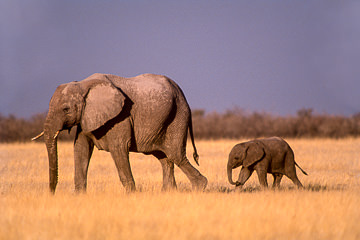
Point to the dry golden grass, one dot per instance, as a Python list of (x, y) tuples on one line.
[(328, 208)]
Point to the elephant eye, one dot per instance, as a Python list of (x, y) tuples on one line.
[(66, 109), (236, 158)]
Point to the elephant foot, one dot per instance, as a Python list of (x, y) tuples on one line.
[(166, 188), (200, 183), (130, 187), (197, 180), (80, 190), (238, 189)]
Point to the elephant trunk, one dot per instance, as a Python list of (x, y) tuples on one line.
[(50, 136), (229, 173)]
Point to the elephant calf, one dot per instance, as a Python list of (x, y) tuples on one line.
[(269, 155)]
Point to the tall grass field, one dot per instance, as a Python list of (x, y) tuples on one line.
[(328, 207)]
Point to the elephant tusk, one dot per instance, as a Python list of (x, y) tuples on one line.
[(38, 136), (56, 134)]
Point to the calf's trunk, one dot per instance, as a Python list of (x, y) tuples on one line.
[(229, 173)]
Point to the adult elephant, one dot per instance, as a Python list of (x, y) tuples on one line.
[(147, 113)]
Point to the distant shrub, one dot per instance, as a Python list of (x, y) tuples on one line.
[(236, 123), (233, 123)]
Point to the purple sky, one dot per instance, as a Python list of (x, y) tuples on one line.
[(273, 56)]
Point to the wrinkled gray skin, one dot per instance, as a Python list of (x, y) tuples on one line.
[(147, 114), (268, 155)]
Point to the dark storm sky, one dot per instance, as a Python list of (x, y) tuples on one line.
[(273, 56)]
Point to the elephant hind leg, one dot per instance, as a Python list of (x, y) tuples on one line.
[(291, 173), (277, 180), (198, 181), (293, 177), (295, 180), (169, 182), (290, 170), (175, 148)]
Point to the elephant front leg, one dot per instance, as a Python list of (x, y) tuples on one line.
[(168, 175), (83, 149), (244, 175), (277, 180), (121, 159), (262, 175)]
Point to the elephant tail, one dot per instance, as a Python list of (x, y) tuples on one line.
[(301, 169), (195, 154)]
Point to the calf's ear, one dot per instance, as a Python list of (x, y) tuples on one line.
[(253, 153)]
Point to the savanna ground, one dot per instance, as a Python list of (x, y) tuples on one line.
[(328, 208)]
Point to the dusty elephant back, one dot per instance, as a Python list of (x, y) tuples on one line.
[(157, 103)]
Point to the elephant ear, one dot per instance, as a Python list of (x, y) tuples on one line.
[(254, 153), (103, 102)]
